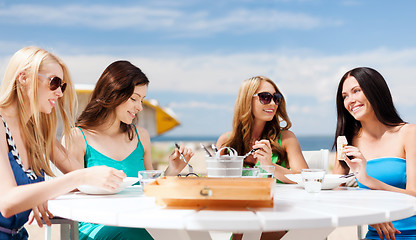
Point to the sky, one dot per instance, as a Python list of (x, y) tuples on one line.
[(196, 53)]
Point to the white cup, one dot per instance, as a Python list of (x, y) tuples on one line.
[(312, 179)]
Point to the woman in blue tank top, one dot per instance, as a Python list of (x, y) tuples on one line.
[(35, 81), (106, 135), (381, 148)]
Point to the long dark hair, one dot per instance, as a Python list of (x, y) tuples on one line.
[(114, 87), (378, 94)]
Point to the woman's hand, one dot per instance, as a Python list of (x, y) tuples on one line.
[(387, 229), (264, 152), (103, 176), (356, 161), (41, 211), (176, 163)]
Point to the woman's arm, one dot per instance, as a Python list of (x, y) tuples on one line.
[(294, 152), (409, 136), (145, 140), (222, 139), (15, 199), (72, 156), (357, 162)]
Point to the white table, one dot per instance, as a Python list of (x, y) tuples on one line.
[(305, 215)]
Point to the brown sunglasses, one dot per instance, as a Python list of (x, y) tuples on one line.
[(55, 83)]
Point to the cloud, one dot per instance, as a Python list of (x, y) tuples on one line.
[(169, 19), (308, 81), (297, 75)]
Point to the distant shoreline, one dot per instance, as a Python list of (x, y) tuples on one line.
[(307, 142)]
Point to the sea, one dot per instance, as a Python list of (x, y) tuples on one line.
[(307, 143)]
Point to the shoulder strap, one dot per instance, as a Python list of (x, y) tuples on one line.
[(83, 135), (280, 138), (137, 133)]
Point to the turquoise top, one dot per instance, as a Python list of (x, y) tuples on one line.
[(392, 171), (131, 165)]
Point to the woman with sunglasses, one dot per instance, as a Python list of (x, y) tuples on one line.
[(31, 91), (106, 135), (381, 150), (259, 109)]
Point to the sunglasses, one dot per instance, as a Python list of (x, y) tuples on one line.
[(55, 83), (266, 98)]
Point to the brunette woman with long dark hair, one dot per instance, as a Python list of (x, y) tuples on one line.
[(106, 135), (381, 150)]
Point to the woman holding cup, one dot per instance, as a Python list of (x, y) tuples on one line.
[(381, 151), (260, 108), (105, 135)]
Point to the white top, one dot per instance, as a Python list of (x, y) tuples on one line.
[(294, 208)]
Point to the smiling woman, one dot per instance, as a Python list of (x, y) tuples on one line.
[(31, 92), (260, 109), (382, 151), (106, 135)]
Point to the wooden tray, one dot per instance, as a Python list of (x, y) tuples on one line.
[(193, 192)]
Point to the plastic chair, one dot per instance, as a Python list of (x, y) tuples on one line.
[(317, 158), (68, 229)]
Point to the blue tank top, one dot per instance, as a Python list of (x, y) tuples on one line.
[(131, 165), (392, 171), (21, 177)]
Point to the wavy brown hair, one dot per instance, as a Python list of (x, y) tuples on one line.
[(40, 130), (244, 119), (114, 87)]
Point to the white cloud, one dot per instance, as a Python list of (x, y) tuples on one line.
[(156, 18), (296, 75), (309, 81)]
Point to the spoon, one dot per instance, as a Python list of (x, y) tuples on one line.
[(251, 151), (348, 175), (191, 169), (206, 150), (214, 147)]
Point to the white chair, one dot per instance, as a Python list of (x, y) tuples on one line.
[(317, 158), (68, 228)]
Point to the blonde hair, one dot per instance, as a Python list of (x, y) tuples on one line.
[(40, 130), (244, 119)]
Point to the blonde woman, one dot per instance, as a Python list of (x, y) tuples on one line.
[(37, 82), (259, 111)]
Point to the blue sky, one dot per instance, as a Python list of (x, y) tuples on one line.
[(197, 53)]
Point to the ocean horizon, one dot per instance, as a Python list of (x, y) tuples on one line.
[(307, 143)]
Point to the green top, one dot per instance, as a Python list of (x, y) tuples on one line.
[(131, 165)]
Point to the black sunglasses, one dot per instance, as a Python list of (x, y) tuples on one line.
[(55, 83), (266, 98)]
